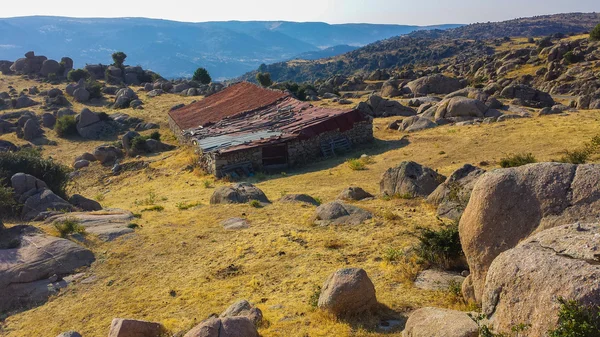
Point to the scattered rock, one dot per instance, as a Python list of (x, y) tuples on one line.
[(44, 200), (235, 224), (133, 328), (107, 155), (81, 164), (436, 322), (434, 84), (48, 120), (338, 213), (529, 96), (348, 292), (416, 123), (32, 130), (24, 102), (84, 203), (81, 95), (224, 327), (303, 198), (410, 179), (432, 279), (549, 195), (354, 193), (460, 107), (22, 184), (561, 262), (238, 194)]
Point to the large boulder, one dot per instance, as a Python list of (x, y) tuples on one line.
[(436, 322), (460, 107), (24, 102), (348, 292), (508, 205), (42, 201), (29, 258), (50, 67), (32, 130), (22, 184), (452, 196), (224, 327), (90, 126), (381, 107), (416, 123), (48, 120), (434, 84), (409, 179), (133, 328), (238, 194), (107, 155), (108, 224), (84, 203), (561, 262), (339, 213), (529, 96), (81, 95)]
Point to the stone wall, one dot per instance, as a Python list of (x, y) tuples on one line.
[(300, 152)]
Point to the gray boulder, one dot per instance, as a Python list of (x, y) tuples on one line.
[(70, 334), (22, 183), (452, 196), (126, 141), (416, 123), (24, 102), (508, 205), (107, 155), (348, 292), (529, 96), (436, 322), (29, 258), (354, 193), (561, 262), (43, 201), (381, 107), (120, 327), (299, 198), (434, 84), (81, 95), (460, 107), (84, 203), (410, 179), (240, 193), (243, 308), (32, 130), (224, 327), (338, 213), (50, 67), (433, 279), (235, 224), (48, 120), (81, 164)]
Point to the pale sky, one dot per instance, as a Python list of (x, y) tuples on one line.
[(424, 12)]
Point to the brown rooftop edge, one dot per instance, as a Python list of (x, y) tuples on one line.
[(236, 99)]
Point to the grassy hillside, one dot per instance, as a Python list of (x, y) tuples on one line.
[(181, 266)]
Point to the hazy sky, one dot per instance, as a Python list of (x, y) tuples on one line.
[(424, 12)]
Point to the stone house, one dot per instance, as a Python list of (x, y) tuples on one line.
[(246, 128)]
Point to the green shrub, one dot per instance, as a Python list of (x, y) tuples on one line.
[(575, 157), (139, 144), (576, 320), (119, 58), (207, 183), (201, 75), (516, 160), (155, 135), (66, 126), (255, 203), (30, 161), (356, 165), (156, 208), (76, 74), (8, 204), (313, 300), (440, 248), (392, 254), (182, 206), (94, 88), (264, 79), (595, 33), (68, 226)]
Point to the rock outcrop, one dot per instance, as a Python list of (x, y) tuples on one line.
[(436, 322), (409, 179), (561, 262), (108, 224), (434, 84), (508, 205)]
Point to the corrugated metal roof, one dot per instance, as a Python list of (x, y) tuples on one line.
[(233, 100), (211, 144)]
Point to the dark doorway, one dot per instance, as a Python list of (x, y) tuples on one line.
[(275, 157)]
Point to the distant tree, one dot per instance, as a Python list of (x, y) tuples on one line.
[(119, 58), (262, 68), (76, 74), (201, 75), (595, 33), (264, 79)]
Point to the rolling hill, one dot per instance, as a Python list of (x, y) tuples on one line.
[(176, 49)]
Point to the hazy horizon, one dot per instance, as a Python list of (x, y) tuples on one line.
[(431, 12)]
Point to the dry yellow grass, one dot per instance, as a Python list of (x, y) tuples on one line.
[(281, 258)]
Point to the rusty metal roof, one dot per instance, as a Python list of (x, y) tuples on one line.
[(286, 119), (236, 99)]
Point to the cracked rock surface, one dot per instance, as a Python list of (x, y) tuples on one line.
[(509, 205), (524, 283)]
